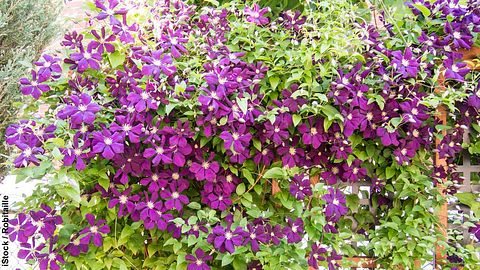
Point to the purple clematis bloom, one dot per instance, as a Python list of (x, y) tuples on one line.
[(125, 202), (207, 170), (158, 63), (224, 239), (294, 230), (81, 111), (475, 230), (75, 247), (405, 63), (159, 152), (173, 41), (198, 262), (312, 134), (455, 70), (95, 231), (102, 42), (109, 11), (108, 143), (300, 187), (256, 15), (77, 153), (239, 138), (50, 260), (48, 66), (28, 154), (21, 228), (335, 207), (87, 59), (173, 197), (34, 86), (254, 235)]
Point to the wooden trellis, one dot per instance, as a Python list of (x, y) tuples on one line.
[(467, 168)]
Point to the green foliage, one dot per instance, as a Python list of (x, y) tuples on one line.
[(26, 27)]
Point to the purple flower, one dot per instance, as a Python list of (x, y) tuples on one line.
[(159, 152), (109, 11), (224, 239), (455, 70), (124, 31), (293, 20), (75, 247), (354, 172), (198, 262), (475, 231), (34, 86), (28, 154), (294, 230), (292, 155), (256, 15), (239, 138), (335, 207), (107, 143), (51, 259), (318, 253), (77, 153), (95, 231), (21, 228), (254, 235), (405, 152), (173, 197), (405, 63), (102, 42), (312, 134), (207, 170), (81, 111), (87, 59), (157, 63), (48, 66), (300, 187), (125, 202), (173, 41)]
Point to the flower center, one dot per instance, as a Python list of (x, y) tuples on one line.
[(123, 199), (94, 229), (253, 236), (313, 131), (206, 165), (369, 116), (51, 256), (77, 152), (175, 195), (403, 151), (292, 151), (457, 35), (108, 141), (144, 95), (235, 136), (415, 111), (82, 108), (405, 62), (159, 150), (199, 262), (229, 178), (335, 201), (175, 176), (150, 205), (87, 55), (294, 228), (355, 170), (157, 63), (335, 170), (228, 235), (264, 152), (27, 152), (127, 127), (155, 177)]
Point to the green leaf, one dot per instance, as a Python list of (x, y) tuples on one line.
[(194, 205), (389, 172), (116, 59), (125, 235), (240, 189), (274, 172), (243, 104), (296, 119), (227, 259), (425, 11), (248, 175), (274, 81), (104, 182)]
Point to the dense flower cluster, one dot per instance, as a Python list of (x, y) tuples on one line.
[(182, 123)]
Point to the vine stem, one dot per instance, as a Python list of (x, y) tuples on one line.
[(260, 175)]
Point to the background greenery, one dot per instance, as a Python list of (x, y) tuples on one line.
[(26, 27)]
